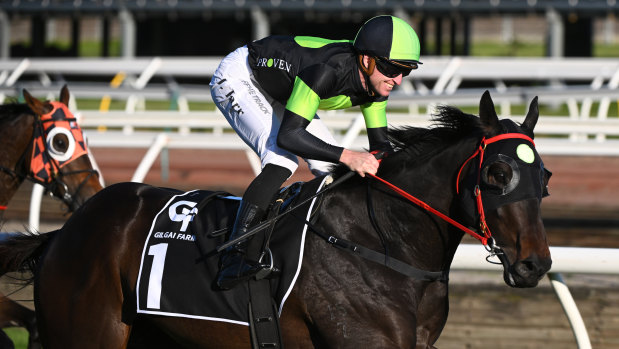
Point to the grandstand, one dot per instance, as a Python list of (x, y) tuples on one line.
[(185, 27)]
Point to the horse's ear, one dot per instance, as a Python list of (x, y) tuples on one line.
[(38, 107), (487, 113), (531, 119), (64, 95)]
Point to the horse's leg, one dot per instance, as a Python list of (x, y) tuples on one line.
[(432, 314), (145, 335), (5, 341), (294, 324), (14, 314)]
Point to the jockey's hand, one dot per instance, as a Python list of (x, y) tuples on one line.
[(360, 162)]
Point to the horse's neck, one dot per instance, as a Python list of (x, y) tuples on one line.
[(433, 182), (15, 145)]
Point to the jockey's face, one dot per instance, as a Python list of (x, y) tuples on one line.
[(381, 84)]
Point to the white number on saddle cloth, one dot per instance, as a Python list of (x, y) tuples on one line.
[(156, 275)]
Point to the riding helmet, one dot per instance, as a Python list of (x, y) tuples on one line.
[(388, 37)]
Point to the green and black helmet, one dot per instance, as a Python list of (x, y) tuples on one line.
[(390, 38)]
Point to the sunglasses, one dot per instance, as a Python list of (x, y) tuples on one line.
[(392, 69)]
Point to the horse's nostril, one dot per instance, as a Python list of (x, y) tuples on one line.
[(528, 268), (532, 267)]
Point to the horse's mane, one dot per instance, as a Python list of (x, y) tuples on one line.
[(416, 144), (449, 125), (14, 109)]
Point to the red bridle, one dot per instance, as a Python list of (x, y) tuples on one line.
[(485, 234)]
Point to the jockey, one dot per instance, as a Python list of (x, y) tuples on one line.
[(270, 90)]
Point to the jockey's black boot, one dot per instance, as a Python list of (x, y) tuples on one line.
[(235, 267)]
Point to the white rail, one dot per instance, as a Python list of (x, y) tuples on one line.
[(448, 72), (555, 135), (440, 79)]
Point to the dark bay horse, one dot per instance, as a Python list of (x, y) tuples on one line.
[(467, 174), (41, 142)]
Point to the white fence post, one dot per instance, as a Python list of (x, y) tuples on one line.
[(35, 207), (571, 310), (151, 155)]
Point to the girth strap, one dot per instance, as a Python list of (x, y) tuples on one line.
[(263, 316)]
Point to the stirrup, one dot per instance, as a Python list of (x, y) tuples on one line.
[(231, 280), (269, 269)]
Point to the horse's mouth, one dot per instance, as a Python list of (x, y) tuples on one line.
[(526, 273)]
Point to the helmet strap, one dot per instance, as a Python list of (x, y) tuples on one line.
[(371, 65), (367, 71)]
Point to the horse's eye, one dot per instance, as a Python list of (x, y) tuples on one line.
[(60, 143), (499, 174)]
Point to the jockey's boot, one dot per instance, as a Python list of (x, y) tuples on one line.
[(235, 267)]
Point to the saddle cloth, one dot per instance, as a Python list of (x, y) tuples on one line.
[(178, 266)]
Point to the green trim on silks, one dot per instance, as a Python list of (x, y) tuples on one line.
[(337, 102), (375, 114), (303, 100), (405, 43), (314, 42)]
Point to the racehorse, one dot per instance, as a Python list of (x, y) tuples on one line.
[(41, 142), (466, 174)]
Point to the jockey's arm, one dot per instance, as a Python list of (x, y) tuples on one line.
[(375, 116), (294, 137)]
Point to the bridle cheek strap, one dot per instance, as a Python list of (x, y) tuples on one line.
[(487, 235)]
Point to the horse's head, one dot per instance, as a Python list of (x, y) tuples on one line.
[(508, 181), (60, 159)]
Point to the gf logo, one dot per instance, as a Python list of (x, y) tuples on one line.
[(186, 215)]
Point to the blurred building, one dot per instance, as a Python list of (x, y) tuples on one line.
[(37, 28)]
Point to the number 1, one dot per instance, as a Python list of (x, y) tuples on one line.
[(156, 275)]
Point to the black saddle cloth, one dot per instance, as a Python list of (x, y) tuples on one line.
[(176, 279)]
